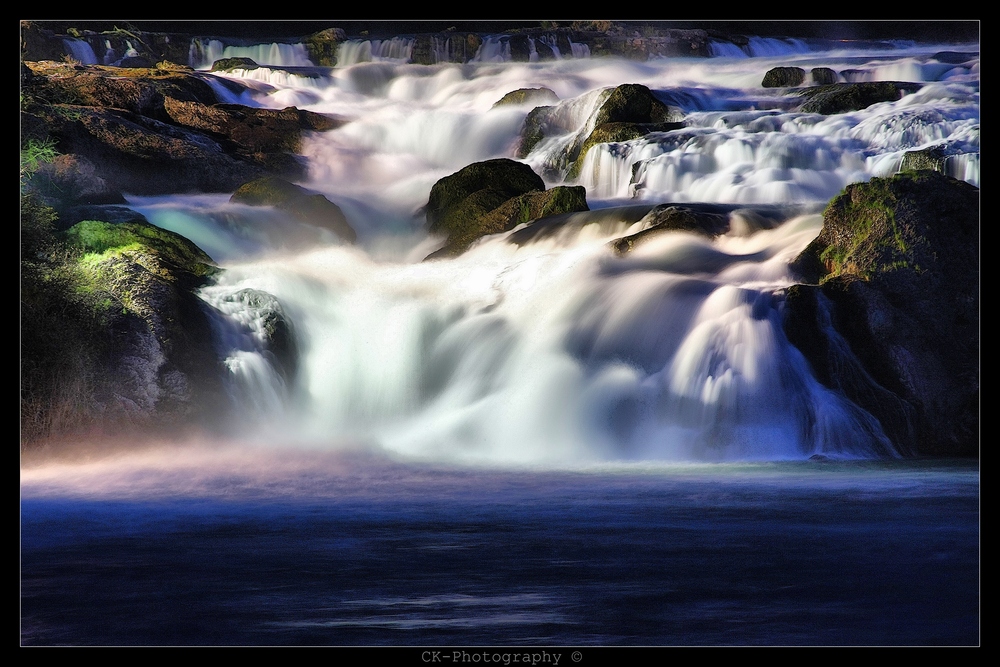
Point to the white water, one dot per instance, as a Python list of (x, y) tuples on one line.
[(559, 351)]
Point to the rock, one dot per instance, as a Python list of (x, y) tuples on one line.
[(635, 103), (513, 212), (136, 154), (783, 77), (537, 125), (526, 95), (626, 104), (615, 132), (322, 46), (668, 217), (897, 259), (842, 97), (506, 178), (160, 364), (926, 158), (491, 197), (159, 131), (311, 208), (229, 64), (954, 57), (822, 76), (275, 329), (73, 180)]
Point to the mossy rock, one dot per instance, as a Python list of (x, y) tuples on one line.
[(507, 178), (899, 260), (309, 207), (669, 217), (526, 95), (103, 238), (616, 132), (843, 97), (322, 46), (822, 76), (783, 77), (509, 214), (536, 127), (927, 158), (634, 103), (229, 64)]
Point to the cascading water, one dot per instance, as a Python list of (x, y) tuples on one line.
[(202, 53), (557, 349)]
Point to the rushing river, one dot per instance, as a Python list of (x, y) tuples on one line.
[(537, 442)]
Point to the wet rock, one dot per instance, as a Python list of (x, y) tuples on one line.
[(527, 95), (309, 207), (843, 97), (822, 76), (898, 260), (784, 77)]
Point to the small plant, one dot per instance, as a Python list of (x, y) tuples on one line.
[(34, 153)]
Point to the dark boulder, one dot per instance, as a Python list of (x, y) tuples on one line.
[(513, 212), (159, 365), (898, 262), (954, 57), (229, 64), (926, 158), (506, 178), (526, 95), (784, 77), (635, 103), (492, 197), (309, 207), (322, 46), (669, 217), (822, 76), (843, 97)]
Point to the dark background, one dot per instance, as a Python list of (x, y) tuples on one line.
[(927, 31)]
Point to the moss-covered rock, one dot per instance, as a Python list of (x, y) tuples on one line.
[(309, 207), (527, 95), (927, 158), (229, 64), (670, 217), (133, 346), (491, 197), (322, 46), (898, 259), (509, 214), (843, 97), (506, 178), (635, 103), (822, 76), (783, 77)]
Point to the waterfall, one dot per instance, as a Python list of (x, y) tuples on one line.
[(203, 53), (549, 346), (81, 51)]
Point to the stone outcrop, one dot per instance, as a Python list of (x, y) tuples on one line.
[(843, 97), (491, 197), (898, 272), (308, 207)]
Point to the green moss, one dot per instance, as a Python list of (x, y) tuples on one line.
[(99, 240)]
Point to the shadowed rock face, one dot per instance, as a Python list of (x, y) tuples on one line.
[(492, 197), (843, 97), (784, 77), (159, 130), (898, 266), (309, 207)]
